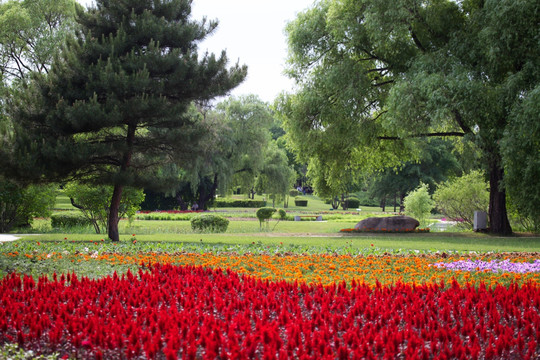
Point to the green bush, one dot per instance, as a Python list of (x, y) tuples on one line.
[(19, 205), (94, 202), (246, 203), (299, 201), (418, 204), (69, 219), (209, 223), (459, 198), (365, 200)]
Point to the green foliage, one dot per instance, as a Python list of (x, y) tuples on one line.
[(459, 198), (19, 205), (154, 200), (521, 156), (247, 203), (31, 32), (365, 199), (69, 219), (294, 193), (435, 163), (418, 204), (14, 352), (209, 223), (94, 200), (300, 201)]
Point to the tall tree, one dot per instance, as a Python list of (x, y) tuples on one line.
[(232, 151), (276, 177), (113, 107), (411, 69)]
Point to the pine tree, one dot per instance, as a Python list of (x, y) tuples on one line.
[(114, 109)]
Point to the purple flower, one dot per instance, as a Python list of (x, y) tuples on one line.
[(493, 266)]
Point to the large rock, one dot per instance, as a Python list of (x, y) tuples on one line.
[(392, 223)]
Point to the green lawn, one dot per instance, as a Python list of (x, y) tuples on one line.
[(319, 235), (314, 205)]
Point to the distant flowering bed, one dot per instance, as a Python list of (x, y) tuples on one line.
[(353, 230), (173, 312), (169, 211)]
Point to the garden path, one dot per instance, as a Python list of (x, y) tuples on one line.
[(5, 237)]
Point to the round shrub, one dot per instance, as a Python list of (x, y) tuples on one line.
[(209, 223)]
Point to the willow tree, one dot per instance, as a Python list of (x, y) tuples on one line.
[(413, 69), (114, 107)]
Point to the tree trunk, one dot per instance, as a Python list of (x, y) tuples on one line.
[(204, 197), (117, 192), (113, 213), (498, 216), (383, 204), (183, 205)]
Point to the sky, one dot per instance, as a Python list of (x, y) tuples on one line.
[(252, 33)]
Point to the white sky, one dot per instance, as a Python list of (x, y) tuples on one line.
[(252, 32)]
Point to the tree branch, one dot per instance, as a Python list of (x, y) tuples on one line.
[(379, 69), (435, 134), (384, 83), (416, 41), (460, 122), (76, 205)]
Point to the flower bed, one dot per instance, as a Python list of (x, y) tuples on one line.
[(191, 312)]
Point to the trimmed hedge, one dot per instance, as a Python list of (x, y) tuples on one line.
[(246, 203), (209, 223), (69, 219), (352, 203), (298, 201)]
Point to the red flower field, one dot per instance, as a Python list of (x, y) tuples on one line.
[(172, 312)]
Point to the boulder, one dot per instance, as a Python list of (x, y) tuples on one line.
[(391, 223)]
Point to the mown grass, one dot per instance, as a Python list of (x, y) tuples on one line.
[(317, 242), (315, 204)]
